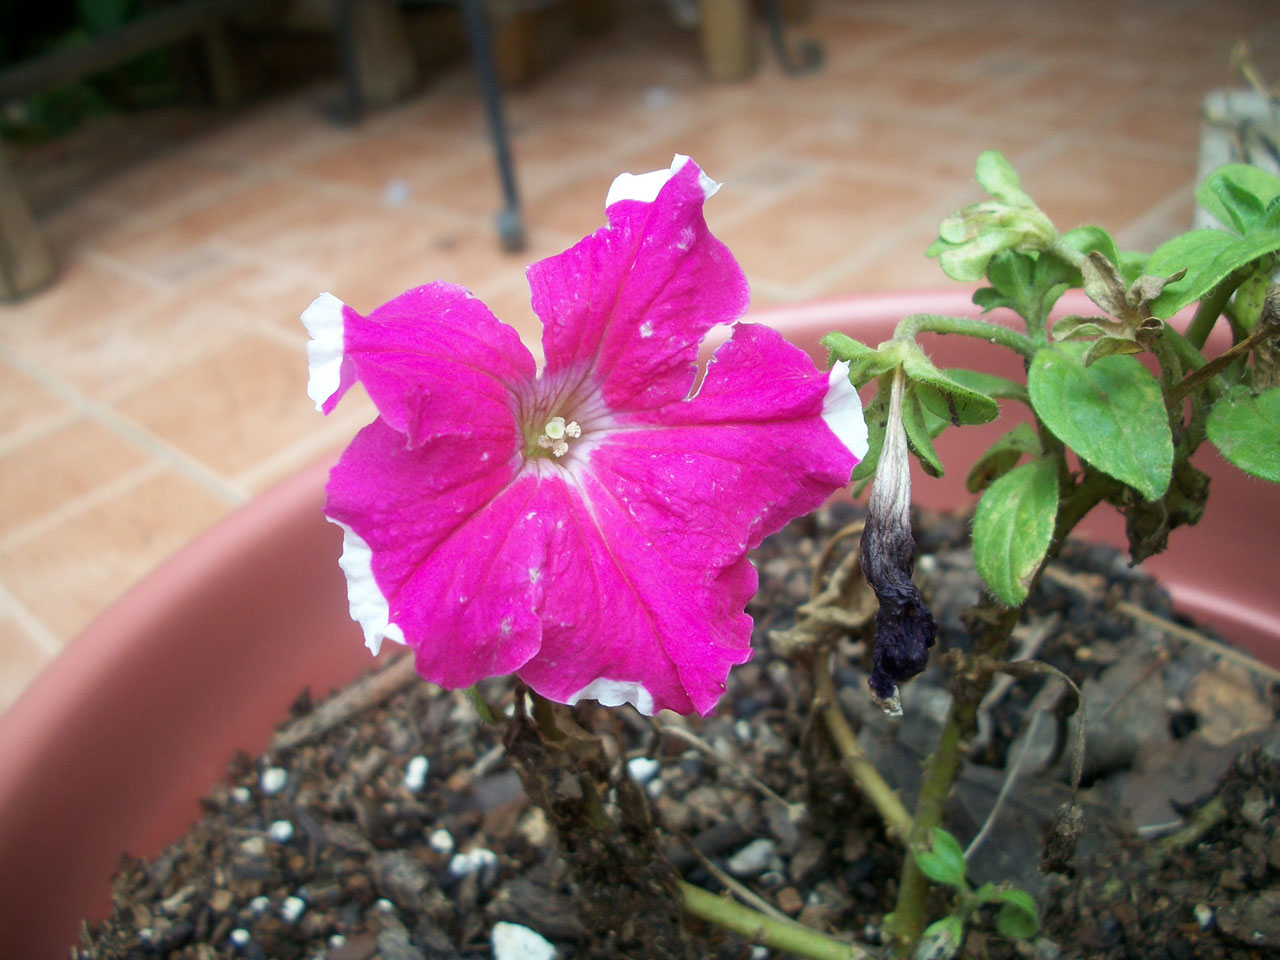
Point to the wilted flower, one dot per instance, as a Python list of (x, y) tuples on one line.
[(585, 527), (904, 626)]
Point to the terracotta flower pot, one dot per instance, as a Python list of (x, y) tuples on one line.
[(109, 749)]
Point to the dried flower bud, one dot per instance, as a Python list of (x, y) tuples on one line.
[(905, 628)]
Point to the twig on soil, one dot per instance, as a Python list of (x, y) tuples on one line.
[(758, 928), (854, 759), (1010, 778), (368, 691), (733, 884), (796, 811), (1031, 642), (1204, 820), (1075, 583)]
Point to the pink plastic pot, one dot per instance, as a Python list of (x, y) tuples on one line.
[(109, 749)]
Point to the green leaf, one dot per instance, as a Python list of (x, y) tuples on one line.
[(876, 413), (988, 384), (1089, 238), (1108, 346), (1111, 413), (944, 861), (942, 937), (1017, 918), (1013, 528), (921, 429), (865, 363), (1002, 456), (996, 176), (949, 399), (1238, 195), (1246, 430), (1208, 257)]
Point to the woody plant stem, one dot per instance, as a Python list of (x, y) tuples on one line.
[(970, 684)]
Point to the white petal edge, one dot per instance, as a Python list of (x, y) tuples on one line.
[(368, 605), (645, 186), (842, 411), (614, 693), (323, 320)]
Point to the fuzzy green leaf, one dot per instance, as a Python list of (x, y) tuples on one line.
[(1002, 456), (921, 428), (1108, 346), (946, 397), (996, 176), (1013, 528), (1017, 918), (865, 363), (1238, 195), (1208, 257), (943, 862), (987, 384), (1111, 413), (1246, 430)]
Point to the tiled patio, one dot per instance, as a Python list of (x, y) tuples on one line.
[(160, 381)]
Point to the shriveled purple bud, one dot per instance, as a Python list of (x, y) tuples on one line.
[(905, 628)]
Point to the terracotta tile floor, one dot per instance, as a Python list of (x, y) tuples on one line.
[(161, 381)]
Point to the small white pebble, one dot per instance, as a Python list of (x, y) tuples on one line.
[(1204, 915), (241, 795), (511, 941), (292, 909), (927, 563), (281, 831), (239, 937), (383, 905), (654, 788), (253, 846), (273, 780), (752, 859), (260, 904), (759, 953), (415, 773), (441, 841), (473, 861), (146, 935), (742, 730), (643, 769), (337, 941)]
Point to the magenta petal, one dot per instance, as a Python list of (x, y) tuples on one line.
[(618, 632), (713, 475), (452, 543), (436, 347), (633, 301)]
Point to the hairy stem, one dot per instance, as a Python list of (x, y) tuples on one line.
[(917, 323), (1195, 378), (1210, 308), (970, 684), (765, 930)]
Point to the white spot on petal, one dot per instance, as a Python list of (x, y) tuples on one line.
[(323, 320), (368, 605), (646, 330), (614, 693), (842, 411), (534, 574), (685, 240)]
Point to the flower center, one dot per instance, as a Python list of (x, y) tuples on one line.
[(556, 434)]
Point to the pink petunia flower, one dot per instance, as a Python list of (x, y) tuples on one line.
[(585, 527)]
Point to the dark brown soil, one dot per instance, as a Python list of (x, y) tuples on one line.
[(323, 848)]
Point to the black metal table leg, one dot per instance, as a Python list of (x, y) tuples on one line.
[(510, 224)]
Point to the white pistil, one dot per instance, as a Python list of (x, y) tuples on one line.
[(554, 434)]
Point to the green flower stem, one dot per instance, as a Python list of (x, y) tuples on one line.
[(970, 684), (917, 323), (1064, 251), (765, 930), (1210, 308), (481, 704)]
